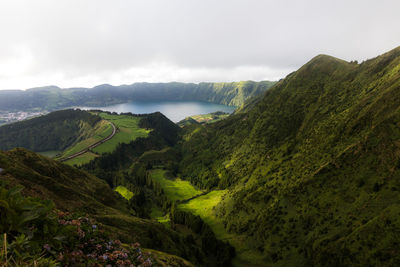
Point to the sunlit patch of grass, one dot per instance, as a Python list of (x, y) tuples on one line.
[(123, 191), (203, 206), (175, 189), (129, 130), (101, 131), (82, 159), (158, 214), (50, 154)]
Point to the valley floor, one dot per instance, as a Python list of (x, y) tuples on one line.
[(204, 205)]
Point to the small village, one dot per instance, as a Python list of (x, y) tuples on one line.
[(8, 117)]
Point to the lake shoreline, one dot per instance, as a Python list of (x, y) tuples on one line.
[(174, 110)]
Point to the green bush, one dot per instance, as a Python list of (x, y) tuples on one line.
[(35, 234)]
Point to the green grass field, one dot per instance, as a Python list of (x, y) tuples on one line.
[(203, 206), (82, 159), (176, 189), (129, 130), (101, 131), (209, 118), (123, 191), (158, 214), (50, 154)]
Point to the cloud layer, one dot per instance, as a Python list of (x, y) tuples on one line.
[(88, 42)]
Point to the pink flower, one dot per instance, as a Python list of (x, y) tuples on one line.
[(46, 247)]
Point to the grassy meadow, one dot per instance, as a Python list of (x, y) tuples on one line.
[(50, 154), (210, 118), (82, 159), (158, 215), (176, 189), (128, 130), (123, 191), (101, 131), (204, 206)]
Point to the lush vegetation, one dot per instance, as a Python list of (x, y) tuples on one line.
[(78, 192), (55, 131), (128, 130), (163, 134), (99, 132), (205, 207), (306, 175), (50, 153), (203, 118), (82, 159), (123, 191), (52, 98), (174, 188), (312, 167), (35, 234)]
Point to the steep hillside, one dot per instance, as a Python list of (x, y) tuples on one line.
[(163, 134), (76, 191), (312, 168), (55, 131), (52, 97)]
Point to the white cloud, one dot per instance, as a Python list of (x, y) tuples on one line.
[(85, 42), (153, 72)]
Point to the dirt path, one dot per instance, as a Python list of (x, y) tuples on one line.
[(92, 146)]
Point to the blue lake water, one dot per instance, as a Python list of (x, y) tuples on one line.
[(174, 110)]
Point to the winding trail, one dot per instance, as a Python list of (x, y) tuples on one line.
[(92, 146)]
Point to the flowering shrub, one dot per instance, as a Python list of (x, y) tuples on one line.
[(34, 234), (92, 246)]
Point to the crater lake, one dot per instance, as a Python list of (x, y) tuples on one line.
[(174, 110)]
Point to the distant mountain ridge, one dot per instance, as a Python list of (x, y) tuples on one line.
[(52, 97)]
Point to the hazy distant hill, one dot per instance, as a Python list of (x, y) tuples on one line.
[(52, 97)]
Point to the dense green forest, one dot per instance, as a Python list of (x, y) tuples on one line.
[(305, 175), (52, 97)]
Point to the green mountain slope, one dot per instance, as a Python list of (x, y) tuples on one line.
[(77, 191), (312, 168), (52, 97)]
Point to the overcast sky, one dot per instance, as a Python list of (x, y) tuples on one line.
[(89, 42)]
